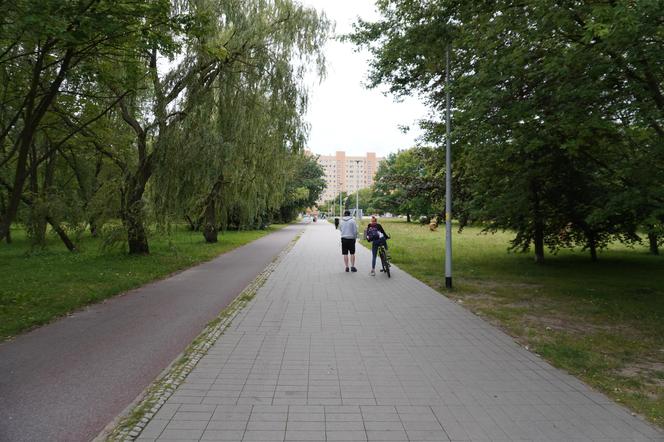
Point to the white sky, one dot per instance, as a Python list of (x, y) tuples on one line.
[(345, 115)]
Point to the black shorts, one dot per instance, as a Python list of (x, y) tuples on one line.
[(347, 245)]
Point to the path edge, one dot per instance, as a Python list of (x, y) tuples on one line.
[(129, 424)]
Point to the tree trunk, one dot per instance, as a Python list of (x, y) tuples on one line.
[(407, 217), (210, 225), (94, 224), (592, 246), (132, 213), (137, 238), (7, 237), (538, 239), (654, 246), (62, 234), (37, 217), (210, 229), (538, 223), (94, 228), (17, 188), (8, 234), (210, 234), (132, 197), (194, 226)]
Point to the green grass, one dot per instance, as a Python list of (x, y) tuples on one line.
[(601, 321), (39, 285)]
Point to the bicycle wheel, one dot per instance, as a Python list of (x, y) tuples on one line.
[(384, 262)]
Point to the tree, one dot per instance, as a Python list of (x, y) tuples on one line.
[(236, 159), (366, 200), (407, 184), (157, 108), (304, 187), (43, 47), (556, 108)]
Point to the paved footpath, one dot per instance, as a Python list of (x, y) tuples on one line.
[(67, 380), (323, 355)]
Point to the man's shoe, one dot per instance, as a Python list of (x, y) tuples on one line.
[(353, 269), (346, 268), (372, 273)]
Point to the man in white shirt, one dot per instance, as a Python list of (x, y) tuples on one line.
[(348, 229)]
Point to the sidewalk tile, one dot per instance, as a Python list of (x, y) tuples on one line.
[(305, 435), (181, 434), (222, 435), (264, 436), (346, 435)]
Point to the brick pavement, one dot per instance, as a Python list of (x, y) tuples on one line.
[(324, 355)]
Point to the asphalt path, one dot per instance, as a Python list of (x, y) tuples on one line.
[(67, 380)]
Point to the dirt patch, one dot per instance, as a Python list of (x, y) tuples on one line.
[(647, 378), (519, 295), (651, 372), (541, 308)]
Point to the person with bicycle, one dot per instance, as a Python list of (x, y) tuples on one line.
[(376, 235)]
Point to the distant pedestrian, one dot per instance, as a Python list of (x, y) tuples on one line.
[(348, 229), (376, 235), (336, 222)]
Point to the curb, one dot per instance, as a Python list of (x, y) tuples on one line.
[(131, 422)]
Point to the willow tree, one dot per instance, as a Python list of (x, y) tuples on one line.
[(229, 162)]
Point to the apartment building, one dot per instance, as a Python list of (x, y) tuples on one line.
[(347, 173)]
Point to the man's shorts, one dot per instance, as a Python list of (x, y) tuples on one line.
[(347, 245)]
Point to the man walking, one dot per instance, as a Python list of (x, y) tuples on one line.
[(348, 229)]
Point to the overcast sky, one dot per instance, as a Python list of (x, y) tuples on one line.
[(345, 115)]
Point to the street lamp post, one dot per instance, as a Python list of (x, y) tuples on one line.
[(448, 178)]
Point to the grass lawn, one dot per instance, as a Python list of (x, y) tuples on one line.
[(39, 285), (601, 321)]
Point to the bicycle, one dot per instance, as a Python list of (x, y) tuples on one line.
[(384, 260)]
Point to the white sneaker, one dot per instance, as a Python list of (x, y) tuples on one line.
[(372, 273)]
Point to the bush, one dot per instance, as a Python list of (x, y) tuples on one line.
[(424, 219)]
